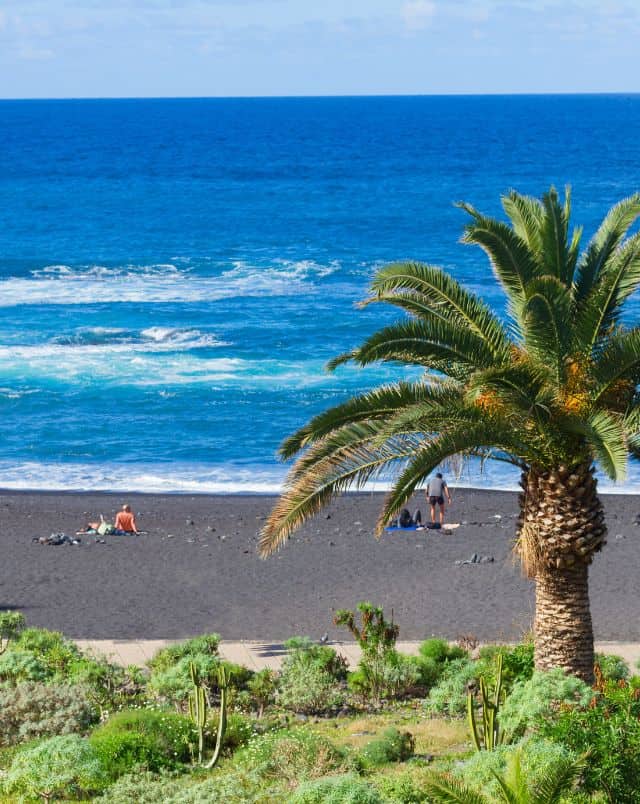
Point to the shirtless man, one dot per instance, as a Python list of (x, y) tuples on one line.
[(126, 520), (437, 489)]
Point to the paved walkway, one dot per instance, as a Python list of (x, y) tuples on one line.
[(257, 655)]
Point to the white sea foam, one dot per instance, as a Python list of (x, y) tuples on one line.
[(62, 284), (152, 363), (203, 478)]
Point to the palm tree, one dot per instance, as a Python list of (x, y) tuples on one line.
[(513, 787), (551, 390)]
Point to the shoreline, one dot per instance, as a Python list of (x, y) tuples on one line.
[(196, 569)]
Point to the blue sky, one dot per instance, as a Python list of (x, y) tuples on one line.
[(106, 48)]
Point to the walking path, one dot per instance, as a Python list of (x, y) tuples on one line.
[(258, 655)]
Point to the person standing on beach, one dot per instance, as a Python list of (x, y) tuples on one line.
[(437, 489), (126, 520)]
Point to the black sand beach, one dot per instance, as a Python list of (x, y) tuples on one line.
[(197, 570)]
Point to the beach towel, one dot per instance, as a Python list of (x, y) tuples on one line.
[(409, 527)]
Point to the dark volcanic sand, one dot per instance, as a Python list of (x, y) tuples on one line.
[(201, 580)]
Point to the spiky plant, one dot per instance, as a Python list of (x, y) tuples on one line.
[(513, 786), (551, 390)]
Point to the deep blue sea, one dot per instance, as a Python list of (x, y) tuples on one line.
[(174, 274)]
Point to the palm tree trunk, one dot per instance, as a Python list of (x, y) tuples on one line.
[(563, 630), (560, 528)]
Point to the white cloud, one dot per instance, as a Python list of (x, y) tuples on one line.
[(417, 14)]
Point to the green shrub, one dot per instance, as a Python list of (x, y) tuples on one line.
[(262, 689), (307, 687), (238, 733), (64, 765), (121, 752), (291, 756), (537, 757), (392, 746), (609, 730), (449, 696), (18, 665), (206, 645), (32, 709), (347, 789), (540, 697), (401, 789), (52, 648), (11, 624), (613, 668), (144, 788), (433, 655), (303, 651), (174, 684), (171, 735), (382, 671)]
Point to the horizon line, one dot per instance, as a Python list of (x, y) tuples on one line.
[(319, 96)]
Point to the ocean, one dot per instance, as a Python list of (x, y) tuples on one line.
[(174, 274)]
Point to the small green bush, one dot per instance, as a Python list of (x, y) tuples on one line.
[(171, 682), (238, 733), (347, 789), (433, 655), (540, 697), (609, 729), (121, 752), (262, 689), (32, 709), (613, 668), (308, 688), (11, 624), (145, 788), (173, 736), (303, 651), (291, 756), (18, 665), (401, 789), (449, 696), (206, 645), (537, 757), (392, 746), (66, 765)]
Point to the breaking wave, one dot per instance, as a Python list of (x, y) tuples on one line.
[(63, 284)]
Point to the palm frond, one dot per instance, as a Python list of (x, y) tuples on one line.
[(446, 789), (526, 215), (437, 345), (511, 259), (546, 316), (619, 360), (425, 289), (554, 235), (604, 244), (522, 386), (434, 450), (601, 309), (308, 492), (379, 402), (557, 781), (604, 434)]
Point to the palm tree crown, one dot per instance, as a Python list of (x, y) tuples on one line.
[(550, 390)]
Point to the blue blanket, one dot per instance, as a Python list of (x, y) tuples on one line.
[(395, 527)]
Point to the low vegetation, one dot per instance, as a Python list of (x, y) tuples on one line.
[(394, 730)]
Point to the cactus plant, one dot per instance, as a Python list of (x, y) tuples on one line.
[(198, 711), (491, 735)]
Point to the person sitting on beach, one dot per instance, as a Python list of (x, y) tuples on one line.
[(125, 520), (436, 490)]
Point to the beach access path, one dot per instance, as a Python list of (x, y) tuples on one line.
[(260, 655)]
